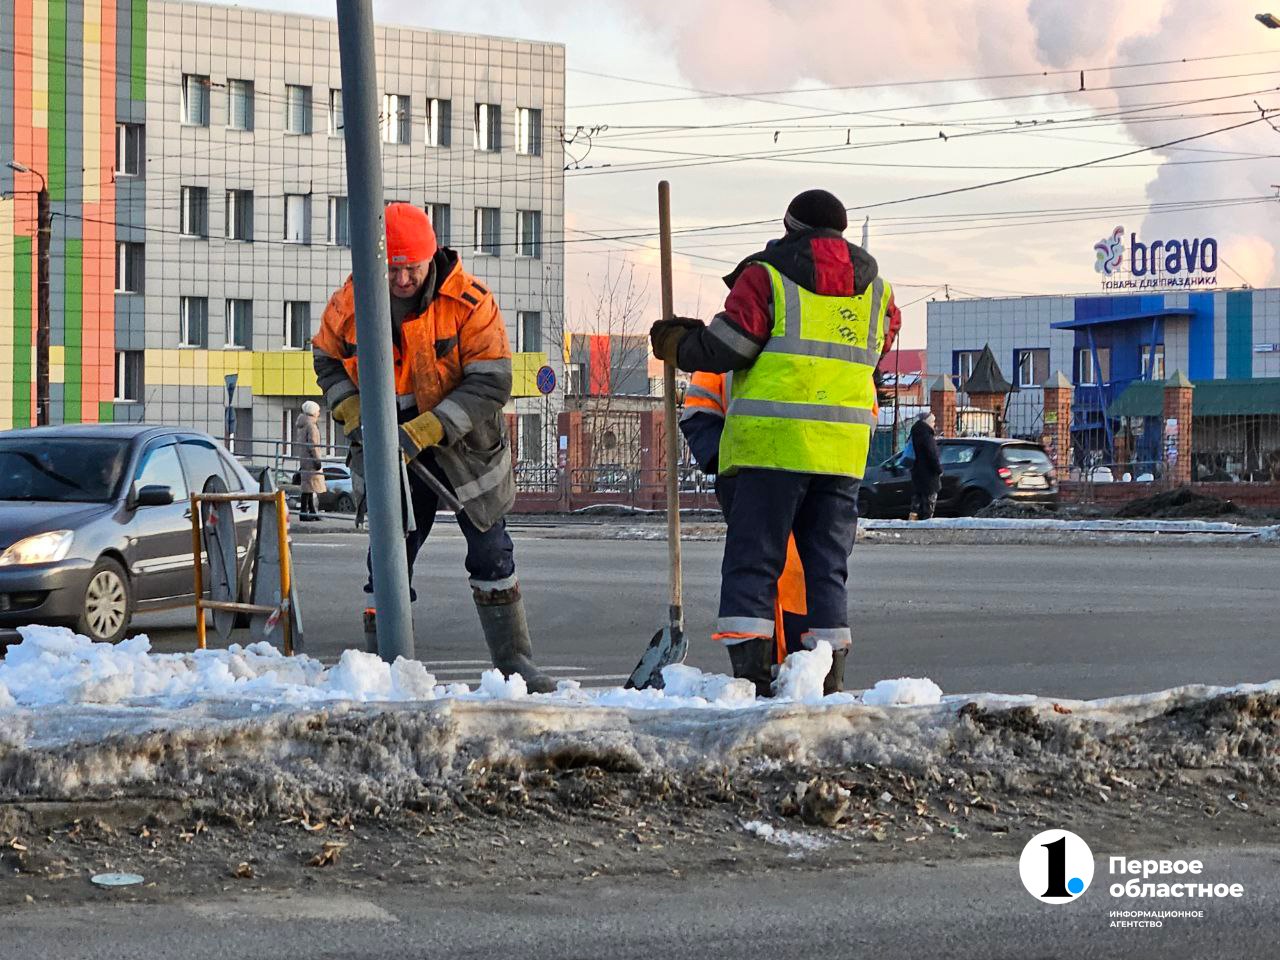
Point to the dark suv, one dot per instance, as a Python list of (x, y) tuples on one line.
[(975, 471), (95, 522)]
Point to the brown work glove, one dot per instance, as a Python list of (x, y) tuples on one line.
[(665, 336), (347, 413), (884, 393)]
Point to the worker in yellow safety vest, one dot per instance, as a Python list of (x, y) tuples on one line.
[(804, 327)]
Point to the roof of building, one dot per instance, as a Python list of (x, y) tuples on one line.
[(986, 376), (1211, 398), (1160, 314)]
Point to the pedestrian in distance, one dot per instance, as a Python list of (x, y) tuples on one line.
[(306, 447), (804, 327), (452, 379), (926, 468)]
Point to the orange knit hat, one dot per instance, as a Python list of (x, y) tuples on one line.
[(410, 238)]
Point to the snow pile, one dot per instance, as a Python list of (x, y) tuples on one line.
[(799, 842), (1216, 527), (497, 687), (905, 691), (801, 675), (6, 699), (53, 665), (681, 680)]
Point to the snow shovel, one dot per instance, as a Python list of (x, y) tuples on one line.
[(669, 645)]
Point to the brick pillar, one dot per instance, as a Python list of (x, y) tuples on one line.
[(571, 454), (653, 459), (942, 401), (1177, 427), (1057, 420)]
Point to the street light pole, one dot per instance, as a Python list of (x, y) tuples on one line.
[(44, 242), (382, 463)]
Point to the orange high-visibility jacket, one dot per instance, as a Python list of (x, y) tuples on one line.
[(453, 359), (706, 396)]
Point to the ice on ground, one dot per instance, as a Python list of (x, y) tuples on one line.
[(681, 680), (914, 691), (799, 842), (803, 672)]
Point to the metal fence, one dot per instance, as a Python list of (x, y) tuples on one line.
[(1236, 448)]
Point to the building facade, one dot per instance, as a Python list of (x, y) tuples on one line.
[(195, 161), (1106, 344)]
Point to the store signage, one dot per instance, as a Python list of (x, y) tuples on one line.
[(1177, 262)]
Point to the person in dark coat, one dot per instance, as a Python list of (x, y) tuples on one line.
[(926, 469)]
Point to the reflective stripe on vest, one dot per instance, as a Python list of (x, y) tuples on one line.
[(807, 404)]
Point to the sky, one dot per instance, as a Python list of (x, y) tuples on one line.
[(910, 112)]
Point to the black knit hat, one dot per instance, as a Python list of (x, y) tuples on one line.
[(815, 210)]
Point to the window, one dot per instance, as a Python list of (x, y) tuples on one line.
[(488, 127), (339, 223), (130, 258), (530, 333), (161, 467), (439, 118), (396, 118), (335, 114), (128, 376), (195, 99), (529, 233), (194, 322), (440, 215), (297, 109), (1031, 367), (239, 329), (955, 453), (962, 363), (200, 460), (239, 215), (531, 438), (297, 324), (1086, 374), (195, 212), (240, 104), (297, 218), (488, 230), (129, 149), (1153, 361), (529, 132)]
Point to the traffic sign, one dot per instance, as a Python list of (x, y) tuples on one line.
[(546, 380)]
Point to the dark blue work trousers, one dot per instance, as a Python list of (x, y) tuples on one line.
[(764, 508), (491, 560)]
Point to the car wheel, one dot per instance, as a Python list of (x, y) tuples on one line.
[(107, 604), (345, 504), (974, 501)]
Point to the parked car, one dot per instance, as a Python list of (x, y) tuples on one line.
[(95, 522), (975, 471), (338, 496)]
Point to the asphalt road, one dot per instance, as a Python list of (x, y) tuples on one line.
[(1071, 621), (945, 911)]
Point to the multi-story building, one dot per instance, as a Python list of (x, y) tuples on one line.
[(195, 161)]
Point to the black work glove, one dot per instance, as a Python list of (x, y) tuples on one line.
[(665, 336)]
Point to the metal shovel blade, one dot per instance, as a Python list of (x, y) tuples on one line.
[(669, 645)]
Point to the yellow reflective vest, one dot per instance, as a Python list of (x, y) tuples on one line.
[(807, 404)]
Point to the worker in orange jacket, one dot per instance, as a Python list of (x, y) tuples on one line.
[(702, 422), (452, 378)]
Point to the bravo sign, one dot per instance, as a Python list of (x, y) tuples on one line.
[(1161, 263)]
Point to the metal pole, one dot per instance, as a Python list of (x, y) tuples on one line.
[(373, 329), (670, 439), (44, 236)]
